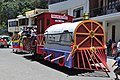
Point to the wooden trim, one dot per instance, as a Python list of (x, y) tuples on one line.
[(82, 33), (96, 29), (98, 41), (86, 27), (83, 23), (100, 35)]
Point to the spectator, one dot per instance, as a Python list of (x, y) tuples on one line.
[(118, 46), (117, 70), (113, 48)]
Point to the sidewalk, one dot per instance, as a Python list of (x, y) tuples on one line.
[(110, 57), (110, 61)]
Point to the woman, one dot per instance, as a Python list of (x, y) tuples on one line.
[(114, 48)]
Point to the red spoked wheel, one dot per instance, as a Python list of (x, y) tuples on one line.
[(61, 61), (89, 38), (89, 34)]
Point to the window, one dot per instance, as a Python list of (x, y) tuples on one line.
[(78, 12), (60, 39), (13, 23), (54, 38), (23, 21), (66, 37), (113, 32), (50, 37), (34, 21), (57, 37), (112, 3)]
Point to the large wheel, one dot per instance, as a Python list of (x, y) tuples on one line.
[(89, 34), (61, 61), (89, 38), (7, 46)]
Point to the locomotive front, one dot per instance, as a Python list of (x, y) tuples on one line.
[(90, 45), (78, 45)]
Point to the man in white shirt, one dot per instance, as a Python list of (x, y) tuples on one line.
[(118, 46)]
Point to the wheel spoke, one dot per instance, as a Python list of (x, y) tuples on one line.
[(82, 33), (86, 27), (99, 34), (98, 41), (96, 29), (91, 26)]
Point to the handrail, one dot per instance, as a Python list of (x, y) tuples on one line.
[(99, 11)]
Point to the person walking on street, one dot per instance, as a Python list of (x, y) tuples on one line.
[(117, 70), (114, 48)]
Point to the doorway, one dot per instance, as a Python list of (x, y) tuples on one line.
[(113, 32)]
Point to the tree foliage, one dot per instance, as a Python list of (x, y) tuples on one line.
[(12, 8)]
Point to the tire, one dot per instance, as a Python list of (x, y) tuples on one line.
[(7, 46), (13, 51)]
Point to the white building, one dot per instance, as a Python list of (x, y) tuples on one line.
[(105, 11), (29, 20), (74, 8), (13, 25), (32, 16)]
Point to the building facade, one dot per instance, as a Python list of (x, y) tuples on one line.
[(74, 8), (105, 11), (13, 25), (29, 20)]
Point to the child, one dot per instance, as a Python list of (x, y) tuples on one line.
[(117, 70)]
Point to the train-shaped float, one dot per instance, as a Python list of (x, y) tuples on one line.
[(79, 45)]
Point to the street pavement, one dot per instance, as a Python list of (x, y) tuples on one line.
[(24, 67)]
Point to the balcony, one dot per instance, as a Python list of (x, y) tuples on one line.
[(55, 1), (109, 9)]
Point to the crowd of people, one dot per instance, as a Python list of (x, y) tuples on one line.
[(113, 49), (28, 31), (27, 36), (117, 63)]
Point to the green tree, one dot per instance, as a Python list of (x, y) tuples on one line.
[(12, 8)]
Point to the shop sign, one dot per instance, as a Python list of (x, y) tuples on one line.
[(59, 16)]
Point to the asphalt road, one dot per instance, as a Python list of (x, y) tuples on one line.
[(24, 67)]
